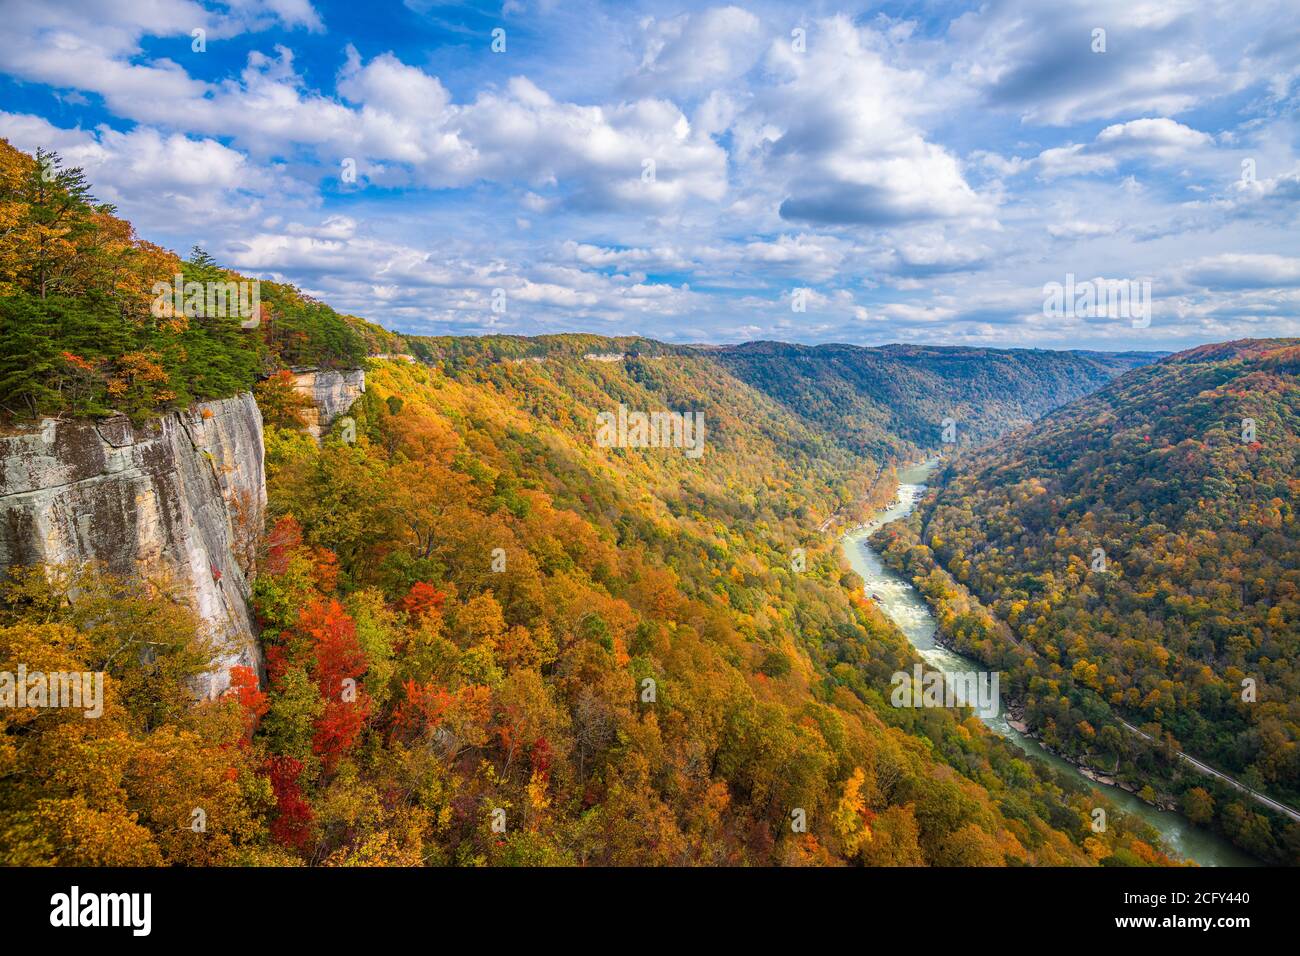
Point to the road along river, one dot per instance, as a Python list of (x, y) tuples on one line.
[(905, 607)]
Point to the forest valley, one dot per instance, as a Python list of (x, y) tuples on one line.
[(1183, 636), (423, 706)]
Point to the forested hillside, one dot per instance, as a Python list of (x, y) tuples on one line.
[(489, 638), (513, 680), (1137, 556), (888, 403), (894, 399), (80, 331)]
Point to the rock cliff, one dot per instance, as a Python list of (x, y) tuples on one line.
[(331, 392), (182, 496)]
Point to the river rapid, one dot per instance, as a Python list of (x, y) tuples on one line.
[(901, 602)]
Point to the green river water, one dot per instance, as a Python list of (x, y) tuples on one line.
[(907, 608)]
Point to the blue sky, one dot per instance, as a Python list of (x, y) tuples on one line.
[(919, 170)]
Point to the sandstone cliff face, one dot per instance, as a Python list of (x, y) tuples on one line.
[(331, 392), (183, 496)]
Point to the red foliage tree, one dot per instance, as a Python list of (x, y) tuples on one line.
[(339, 728), (284, 537), (292, 824), (337, 662), (422, 709), (421, 599), (277, 662), (252, 702), (336, 651)]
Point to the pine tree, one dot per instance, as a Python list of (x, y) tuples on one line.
[(59, 205)]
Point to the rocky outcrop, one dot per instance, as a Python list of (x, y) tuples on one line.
[(181, 497), (331, 392)]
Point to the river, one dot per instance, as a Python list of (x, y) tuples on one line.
[(907, 608)]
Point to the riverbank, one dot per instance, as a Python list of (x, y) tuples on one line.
[(900, 601), (1016, 719), (1014, 716)]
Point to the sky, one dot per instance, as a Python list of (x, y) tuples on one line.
[(892, 172)]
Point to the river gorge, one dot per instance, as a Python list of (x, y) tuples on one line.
[(901, 602)]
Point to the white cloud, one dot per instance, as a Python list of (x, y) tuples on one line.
[(95, 46), (1159, 139), (910, 312), (836, 125), (936, 254), (263, 13), (1250, 196), (1161, 56), (349, 270), (601, 257), (163, 177), (1081, 229), (1245, 271), (882, 166), (698, 51)]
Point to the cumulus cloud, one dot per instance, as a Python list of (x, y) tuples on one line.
[(400, 126), (96, 46), (162, 177), (349, 269), (396, 121), (693, 167), (931, 255), (697, 51), (1245, 271), (804, 257), (836, 125), (912, 312), (1159, 139), (1160, 56), (259, 14), (1250, 196), (602, 257)]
